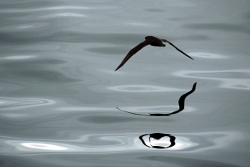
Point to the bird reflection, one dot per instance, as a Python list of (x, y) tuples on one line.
[(181, 103), (149, 40), (160, 138)]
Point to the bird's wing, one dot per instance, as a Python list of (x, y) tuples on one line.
[(131, 53), (164, 40)]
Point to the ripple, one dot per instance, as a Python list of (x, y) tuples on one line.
[(23, 27), (110, 143), (182, 143), (24, 146), (95, 119), (64, 15), (204, 141), (83, 109), (44, 146), (233, 79), (44, 9), (20, 57), (143, 24), (143, 88), (18, 103), (215, 140), (84, 144), (207, 55)]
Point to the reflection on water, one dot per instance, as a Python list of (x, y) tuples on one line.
[(162, 141), (181, 103), (123, 143)]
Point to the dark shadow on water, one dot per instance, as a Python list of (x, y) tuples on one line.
[(158, 137), (181, 103)]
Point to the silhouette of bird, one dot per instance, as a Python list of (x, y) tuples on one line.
[(149, 40)]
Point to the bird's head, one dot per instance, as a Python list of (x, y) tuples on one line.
[(149, 37)]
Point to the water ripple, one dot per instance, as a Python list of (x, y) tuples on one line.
[(232, 79), (207, 55), (87, 144), (23, 27), (19, 57), (18, 103), (25, 146), (64, 15), (143, 88), (143, 24), (109, 143), (44, 9)]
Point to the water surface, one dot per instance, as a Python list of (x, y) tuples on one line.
[(59, 90)]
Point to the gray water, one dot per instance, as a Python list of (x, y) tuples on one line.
[(59, 90)]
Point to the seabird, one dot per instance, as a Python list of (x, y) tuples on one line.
[(149, 40)]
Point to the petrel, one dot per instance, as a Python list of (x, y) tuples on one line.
[(149, 40)]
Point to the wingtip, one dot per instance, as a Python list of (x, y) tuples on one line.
[(189, 57), (118, 67)]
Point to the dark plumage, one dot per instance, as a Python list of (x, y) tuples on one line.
[(149, 40)]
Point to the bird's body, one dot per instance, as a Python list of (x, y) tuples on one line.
[(149, 40), (153, 41)]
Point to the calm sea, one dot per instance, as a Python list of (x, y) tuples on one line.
[(63, 105)]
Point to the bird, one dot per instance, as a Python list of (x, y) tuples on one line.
[(149, 40)]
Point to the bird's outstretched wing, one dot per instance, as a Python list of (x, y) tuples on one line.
[(164, 40), (131, 53)]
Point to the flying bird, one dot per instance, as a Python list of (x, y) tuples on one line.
[(149, 40)]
